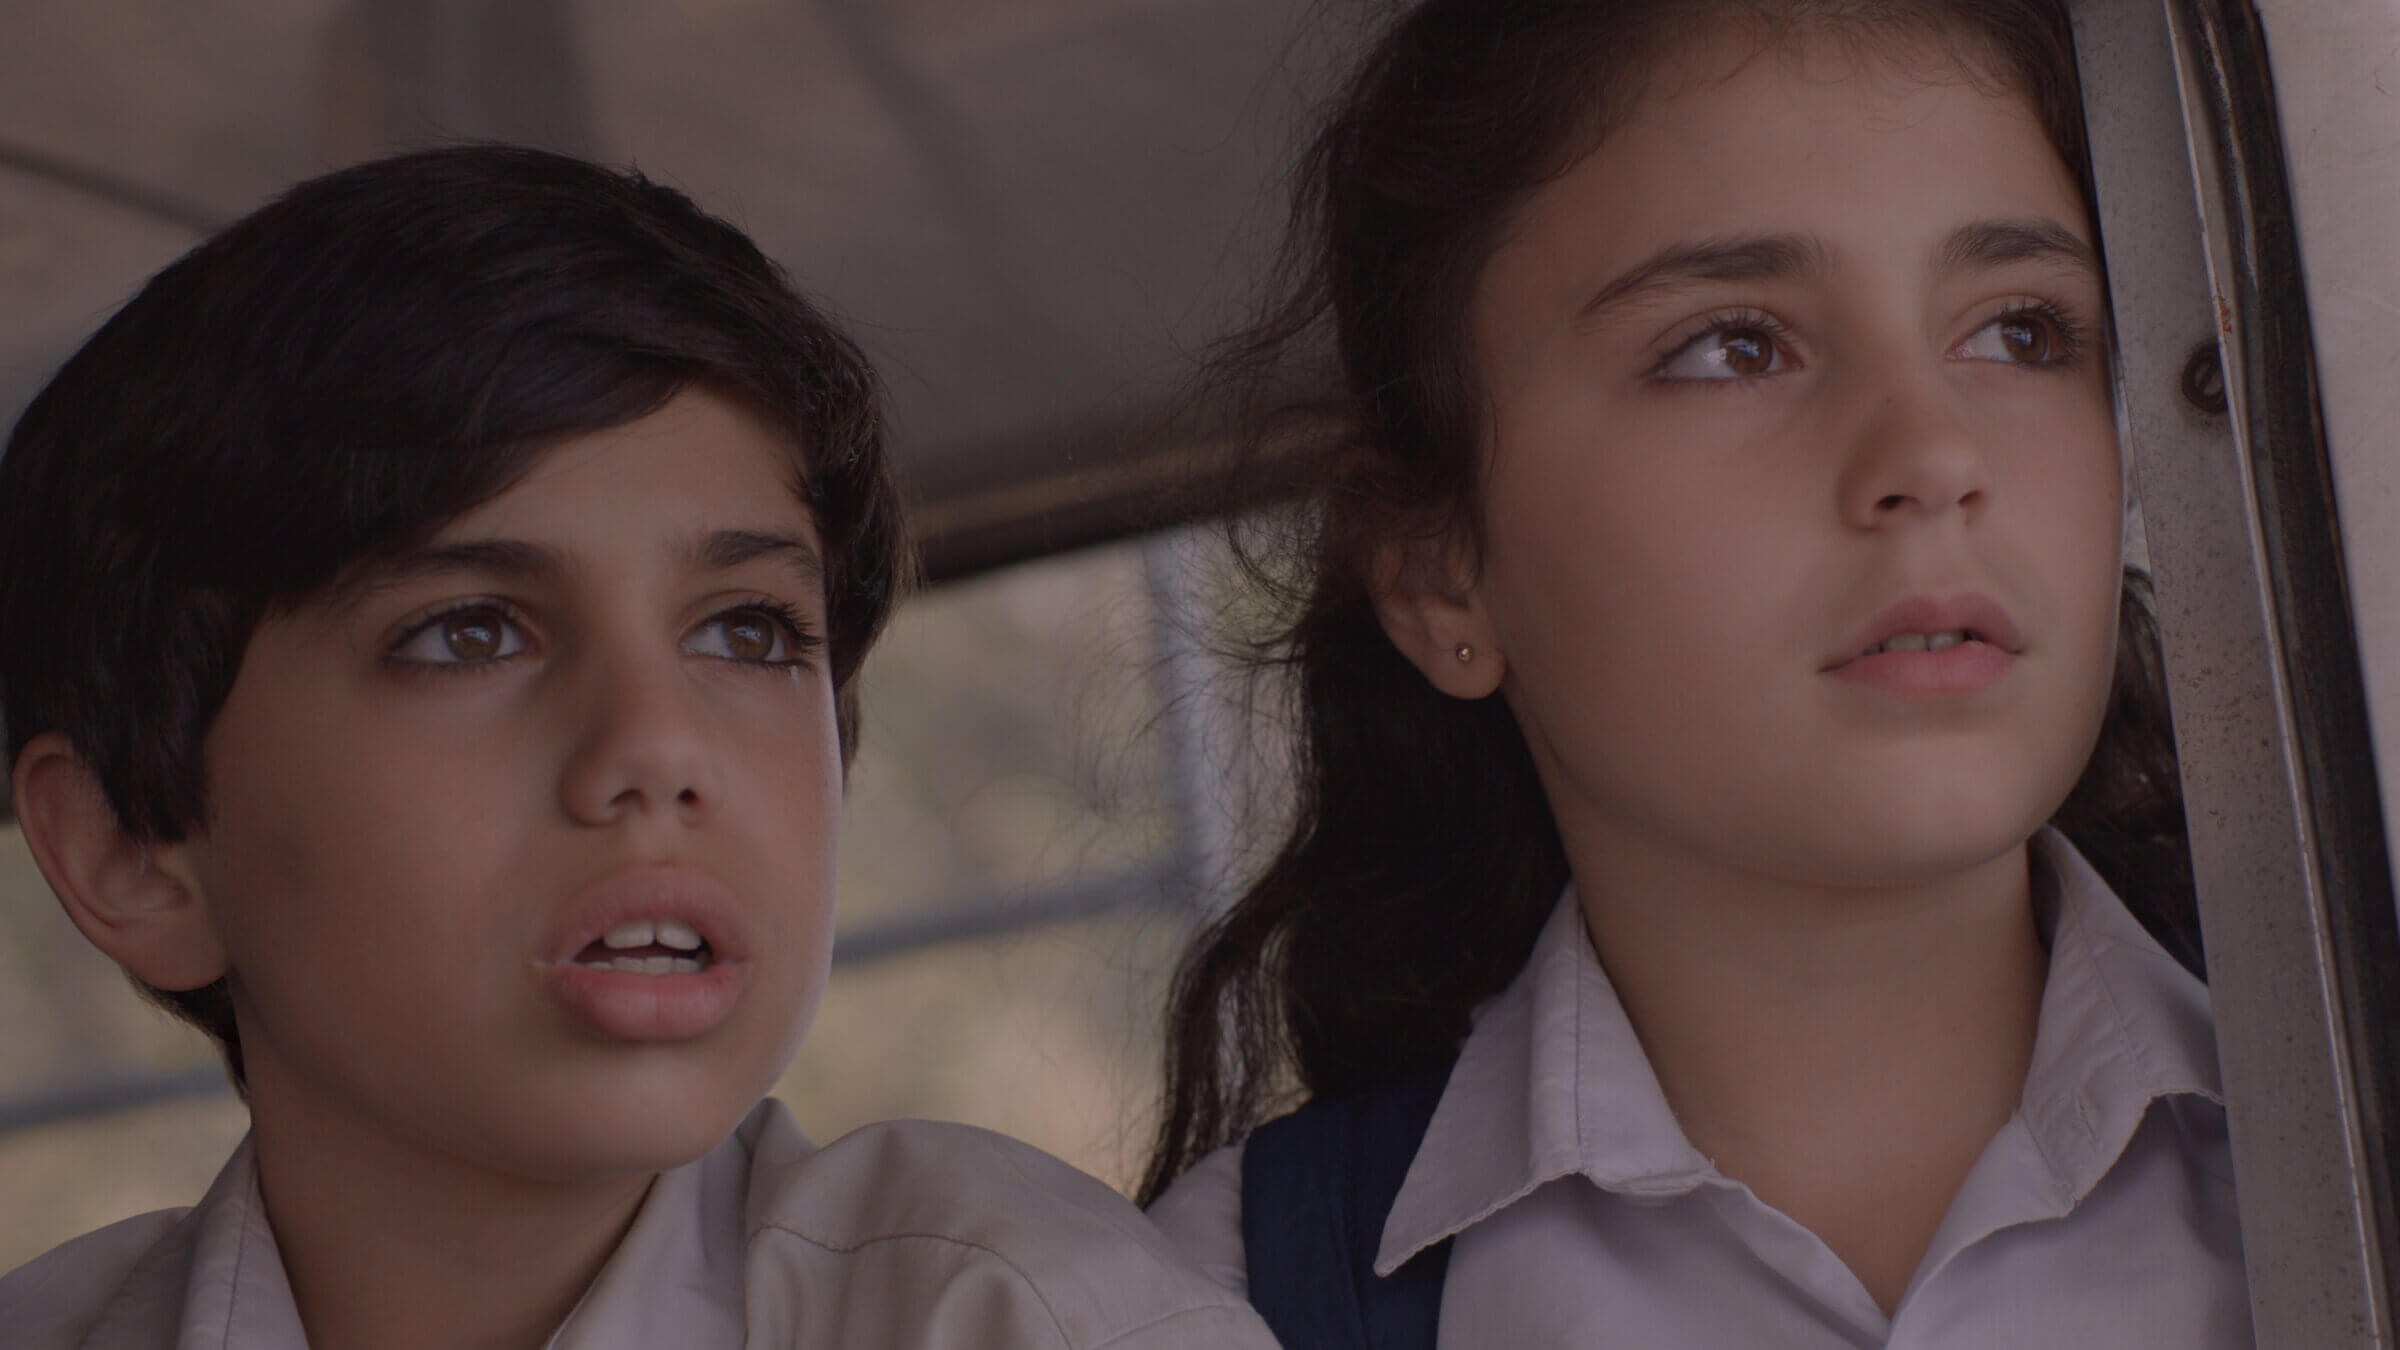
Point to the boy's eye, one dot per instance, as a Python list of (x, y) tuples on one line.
[(752, 635), (1732, 351), (462, 637)]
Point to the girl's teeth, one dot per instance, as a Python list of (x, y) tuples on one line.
[(678, 935), (652, 965), (1923, 642)]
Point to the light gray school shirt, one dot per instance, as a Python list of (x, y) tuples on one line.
[(2100, 1216), (905, 1234)]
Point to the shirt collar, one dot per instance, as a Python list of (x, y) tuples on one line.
[(1552, 1081), (2123, 1024), (675, 1279), (234, 1292), (677, 1276)]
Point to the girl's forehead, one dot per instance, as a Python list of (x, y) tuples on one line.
[(1855, 153), (1731, 80)]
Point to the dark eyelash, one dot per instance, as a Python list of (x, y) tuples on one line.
[(2074, 338), (1748, 318), (805, 641), (410, 631)]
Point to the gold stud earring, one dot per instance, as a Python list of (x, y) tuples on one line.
[(1464, 653)]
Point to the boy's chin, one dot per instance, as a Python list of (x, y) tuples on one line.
[(640, 1125)]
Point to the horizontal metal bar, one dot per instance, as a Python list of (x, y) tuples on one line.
[(994, 917), (108, 1096), (961, 921), (102, 185)]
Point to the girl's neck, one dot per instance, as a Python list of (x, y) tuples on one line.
[(388, 1243), (1846, 1053)]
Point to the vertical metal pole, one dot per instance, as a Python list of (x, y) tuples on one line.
[(2268, 825), (508, 70), (1191, 721)]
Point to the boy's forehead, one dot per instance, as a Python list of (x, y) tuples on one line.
[(711, 550), (699, 483)]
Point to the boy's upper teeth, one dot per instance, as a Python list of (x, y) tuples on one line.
[(672, 933), (639, 933), (1921, 642)]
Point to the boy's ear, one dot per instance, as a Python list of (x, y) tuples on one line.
[(1433, 612), (137, 904)]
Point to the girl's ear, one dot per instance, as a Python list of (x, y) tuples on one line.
[(1433, 612), (137, 904)]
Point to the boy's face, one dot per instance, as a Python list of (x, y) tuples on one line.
[(596, 702)]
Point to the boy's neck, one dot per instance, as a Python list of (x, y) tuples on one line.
[(1845, 1054), (387, 1243)]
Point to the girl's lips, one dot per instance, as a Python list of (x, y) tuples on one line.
[(1991, 645), (1963, 669), (639, 1007), (1979, 616)]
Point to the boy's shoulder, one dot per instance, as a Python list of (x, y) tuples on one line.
[(133, 1268), (900, 1234), (941, 1234)]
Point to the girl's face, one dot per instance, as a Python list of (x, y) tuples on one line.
[(1804, 358)]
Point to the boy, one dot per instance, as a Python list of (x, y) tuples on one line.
[(430, 615)]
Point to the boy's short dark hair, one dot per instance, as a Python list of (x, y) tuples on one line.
[(335, 377)]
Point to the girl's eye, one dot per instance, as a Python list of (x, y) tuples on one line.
[(752, 635), (478, 635), (1739, 350), (2022, 338)]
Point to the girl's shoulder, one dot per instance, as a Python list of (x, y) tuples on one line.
[(1202, 1215)]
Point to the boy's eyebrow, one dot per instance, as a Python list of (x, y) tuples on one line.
[(1757, 257), (1992, 243), (721, 550), (512, 558), (518, 559)]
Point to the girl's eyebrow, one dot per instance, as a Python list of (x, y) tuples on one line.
[(1772, 257), (1992, 243), (1758, 257)]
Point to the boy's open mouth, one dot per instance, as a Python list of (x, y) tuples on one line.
[(649, 947)]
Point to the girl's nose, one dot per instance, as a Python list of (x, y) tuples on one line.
[(1912, 456), (639, 748)]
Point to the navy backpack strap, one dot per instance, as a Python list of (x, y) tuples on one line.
[(1317, 1186)]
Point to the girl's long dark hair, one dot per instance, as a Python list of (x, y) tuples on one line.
[(1420, 858)]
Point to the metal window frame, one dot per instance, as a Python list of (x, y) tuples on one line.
[(2271, 708)]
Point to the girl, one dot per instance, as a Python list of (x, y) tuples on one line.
[(1736, 857)]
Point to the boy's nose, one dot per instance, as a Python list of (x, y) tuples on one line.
[(1912, 456), (640, 748)]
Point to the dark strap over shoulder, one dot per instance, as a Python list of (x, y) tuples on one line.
[(1317, 1186)]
